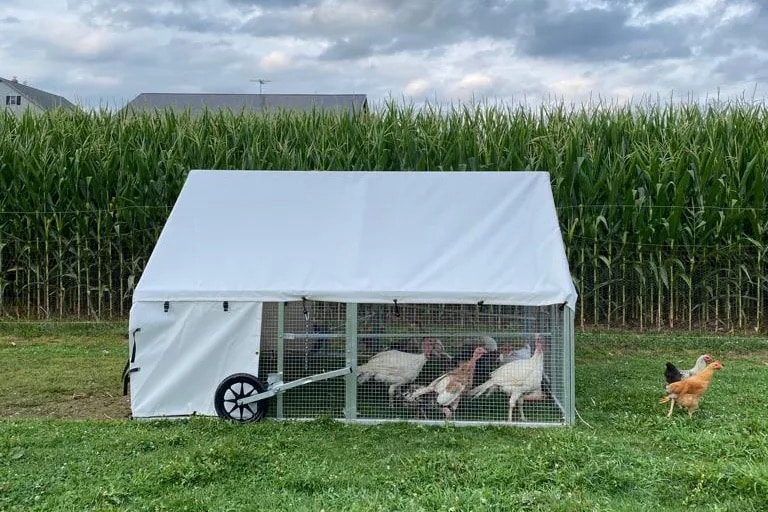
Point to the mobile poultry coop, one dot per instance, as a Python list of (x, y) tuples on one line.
[(362, 296)]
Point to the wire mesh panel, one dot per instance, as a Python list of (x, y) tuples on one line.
[(419, 362), (460, 362), (313, 342)]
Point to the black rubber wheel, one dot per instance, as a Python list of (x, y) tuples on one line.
[(233, 388)]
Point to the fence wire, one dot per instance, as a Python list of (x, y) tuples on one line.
[(67, 265)]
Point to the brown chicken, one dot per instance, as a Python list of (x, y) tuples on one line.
[(672, 374), (687, 392)]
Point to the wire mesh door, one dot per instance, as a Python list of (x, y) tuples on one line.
[(299, 340)]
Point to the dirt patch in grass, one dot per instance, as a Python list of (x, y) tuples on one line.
[(63, 371), (79, 406)]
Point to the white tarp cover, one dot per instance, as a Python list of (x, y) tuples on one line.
[(184, 353), (417, 237)]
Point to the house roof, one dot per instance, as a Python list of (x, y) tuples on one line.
[(197, 103), (42, 99)]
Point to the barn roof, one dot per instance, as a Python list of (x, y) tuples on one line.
[(42, 99), (197, 103), (414, 237)]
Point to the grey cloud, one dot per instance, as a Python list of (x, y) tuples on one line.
[(129, 16), (597, 34), (747, 31), (592, 34), (348, 49), (745, 68), (10, 20), (425, 26), (272, 24), (194, 16), (41, 46), (180, 65), (193, 22), (602, 40), (733, 38), (650, 7), (271, 4), (408, 26)]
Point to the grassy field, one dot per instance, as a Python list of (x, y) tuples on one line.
[(66, 442)]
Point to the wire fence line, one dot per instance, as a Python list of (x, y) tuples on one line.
[(558, 208), (702, 288), (83, 212)]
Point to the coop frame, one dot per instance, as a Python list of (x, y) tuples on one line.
[(215, 290), (566, 404)]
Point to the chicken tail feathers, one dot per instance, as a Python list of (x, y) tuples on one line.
[(672, 374)]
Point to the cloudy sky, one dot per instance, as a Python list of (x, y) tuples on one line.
[(105, 52)]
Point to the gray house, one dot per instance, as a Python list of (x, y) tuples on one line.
[(237, 103), (18, 97)]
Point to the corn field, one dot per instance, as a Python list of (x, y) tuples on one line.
[(662, 207)]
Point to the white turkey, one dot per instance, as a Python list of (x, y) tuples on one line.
[(519, 379), (398, 368), (509, 354)]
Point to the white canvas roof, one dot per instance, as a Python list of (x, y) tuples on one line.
[(414, 237)]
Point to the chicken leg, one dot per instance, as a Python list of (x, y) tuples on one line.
[(671, 400), (671, 406)]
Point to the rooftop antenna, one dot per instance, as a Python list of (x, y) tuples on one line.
[(261, 82)]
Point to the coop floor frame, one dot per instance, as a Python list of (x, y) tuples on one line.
[(345, 349)]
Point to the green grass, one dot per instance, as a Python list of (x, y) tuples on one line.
[(62, 370), (631, 458)]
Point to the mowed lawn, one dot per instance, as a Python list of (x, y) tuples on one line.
[(66, 442)]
